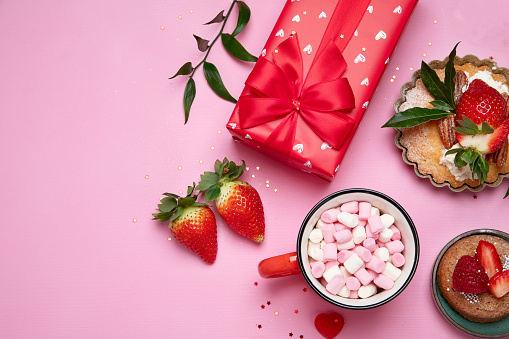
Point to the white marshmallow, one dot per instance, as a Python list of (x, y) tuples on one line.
[(346, 245), (319, 223), (367, 291), (387, 219), (391, 271), (382, 253), (348, 219), (315, 236), (344, 292), (331, 272), (344, 272), (314, 251), (385, 235), (359, 234), (353, 263), (375, 211)]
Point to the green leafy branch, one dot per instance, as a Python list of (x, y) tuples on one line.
[(232, 46)]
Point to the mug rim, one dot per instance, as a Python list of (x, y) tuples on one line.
[(380, 195)]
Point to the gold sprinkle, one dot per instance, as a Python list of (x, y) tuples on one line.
[(212, 148), (191, 11), (411, 68), (424, 54), (341, 36), (252, 176), (276, 313), (180, 167), (219, 132), (304, 12), (276, 51), (180, 17), (181, 192), (201, 161), (363, 49), (267, 185), (308, 52), (247, 168), (435, 21), (135, 220), (397, 68), (394, 77), (146, 177), (429, 43), (392, 80), (257, 168), (275, 189), (169, 239), (162, 27), (293, 32), (267, 181)]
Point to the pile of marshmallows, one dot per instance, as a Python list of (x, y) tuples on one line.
[(355, 250)]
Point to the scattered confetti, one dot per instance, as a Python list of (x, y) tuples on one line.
[(247, 168), (304, 12), (146, 177), (212, 148), (435, 21), (169, 239), (305, 289), (268, 302), (475, 196), (411, 68), (397, 68), (256, 283), (296, 311), (201, 161), (219, 132), (276, 313), (259, 326), (263, 306), (424, 54), (275, 189), (252, 176), (180, 17), (257, 168), (290, 334), (180, 167), (363, 49), (429, 43), (191, 11), (162, 27), (181, 192), (135, 220)]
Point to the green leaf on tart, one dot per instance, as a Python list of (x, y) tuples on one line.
[(186, 69), (235, 48), (442, 105), (450, 73), (189, 95), (216, 84), (218, 18), (415, 116), (468, 127), (243, 19)]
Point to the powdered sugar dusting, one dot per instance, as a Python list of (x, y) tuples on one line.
[(472, 298), (505, 262)]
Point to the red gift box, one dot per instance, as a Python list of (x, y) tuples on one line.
[(311, 85)]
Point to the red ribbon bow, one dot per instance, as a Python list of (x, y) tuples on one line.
[(281, 93)]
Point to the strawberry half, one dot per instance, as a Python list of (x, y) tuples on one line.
[(488, 257), (193, 224), (469, 276), (237, 201), (499, 284)]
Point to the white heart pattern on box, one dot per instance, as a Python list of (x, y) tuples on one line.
[(325, 146), (370, 9), (308, 49), (308, 164), (365, 82), (365, 105), (232, 125), (359, 58), (248, 137), (322, 15), (397, 10), (264, 52), (280, 33), (296, 18), (380, 35), (299, 148)]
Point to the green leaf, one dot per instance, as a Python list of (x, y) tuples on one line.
[(459, 161), (506, 193), (216, 84), (486, 128), (218, 18), (450, 73), (442, 105), (203, 44), (167, 204), (415, 116), (234, 47), (212, 193), (208, 179), (177, 214), (468, 127), (243, 19), (433, 83), (186, 201), (186, 69), (189, 95)]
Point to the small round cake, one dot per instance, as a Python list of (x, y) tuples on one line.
[(482, 307), (423, 145)]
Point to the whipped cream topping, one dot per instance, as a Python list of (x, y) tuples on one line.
[(487, 77), (460, 174)]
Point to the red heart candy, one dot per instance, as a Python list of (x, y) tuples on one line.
[(329, 325)]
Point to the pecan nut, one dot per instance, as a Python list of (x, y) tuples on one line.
[(446, 132), (461, 81)]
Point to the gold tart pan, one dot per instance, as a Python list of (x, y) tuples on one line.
[(437, 64)]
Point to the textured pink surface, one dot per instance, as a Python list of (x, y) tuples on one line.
[(92, 133)]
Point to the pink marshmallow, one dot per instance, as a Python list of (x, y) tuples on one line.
[(384, 282), (363, 252), (354, 295), (317, 269), (343, 236), (372, 273), (364, 277), (330, 251), (370, 244), (370, 234), (375, 224), (398, 259), (339, 227), (330, 216), (335, 284), (395, 246), (330, 264), (376, 264), (343, 255), (396, 233), (328, 231), (364, 210), (350, 207), (352, 283)]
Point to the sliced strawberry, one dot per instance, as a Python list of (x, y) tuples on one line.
[(488, 256), (499, 284), (469, 276)]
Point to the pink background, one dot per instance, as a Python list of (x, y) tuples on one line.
[(92, 133)]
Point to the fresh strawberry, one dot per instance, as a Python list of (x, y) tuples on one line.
[(193, 224), (469, 276), (238, 202), (488, 257), (499, 284)]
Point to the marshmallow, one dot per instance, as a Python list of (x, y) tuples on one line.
[(398, 259), (375, 210), (395, 246), (384, 282), (328, 231), (330, 264), (363, 252), (331, 272), (343, 255), (363, 276), (330, 216), (352, 283), (373, 273), (370, 234), (344, 292), (364, 210), (382, 253), (385, 235), (348, 219), (362, 222), (370, 244), (391, 271), (358, 234), (375, 224), (330, 252), (350, 207), (315, 236), (376, 264), (317, 269), (343, 236), (354, 295), (339, 227), (335, 284), (346, 245), (353, 263), (319, 223), (344, 272), (396, 233), (367, 291), (314, 251), (387, 220)]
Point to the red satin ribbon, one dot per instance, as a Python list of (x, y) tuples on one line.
[(280, 93)]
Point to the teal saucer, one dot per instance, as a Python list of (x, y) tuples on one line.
[(497, 329)]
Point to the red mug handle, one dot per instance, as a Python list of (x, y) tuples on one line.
[(279, 266)]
